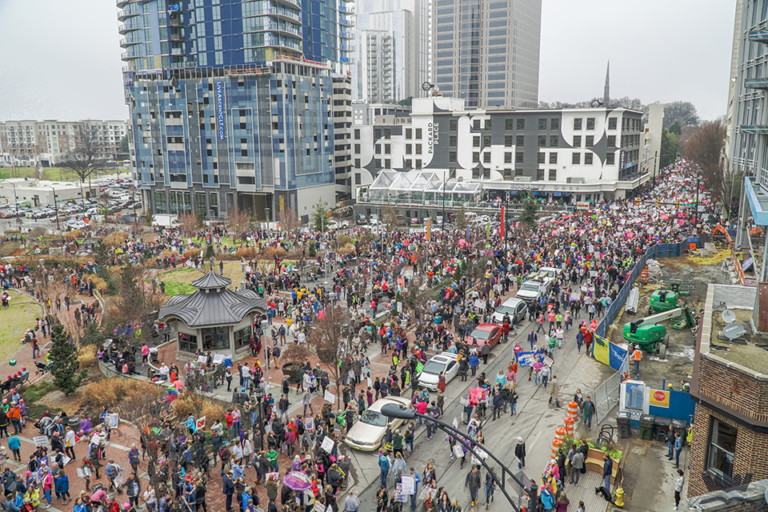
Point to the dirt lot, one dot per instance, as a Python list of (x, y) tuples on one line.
[(678, 363)]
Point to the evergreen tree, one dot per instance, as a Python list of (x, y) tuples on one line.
[(65, 367), (528, 215)]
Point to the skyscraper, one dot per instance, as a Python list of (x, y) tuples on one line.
[(487, 51), (232, 102), (391, 54)]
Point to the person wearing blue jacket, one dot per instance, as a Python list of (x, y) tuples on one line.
[(62, 487), (474, 362), (384, 466)]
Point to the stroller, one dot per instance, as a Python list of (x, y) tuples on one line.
[(42, 367)]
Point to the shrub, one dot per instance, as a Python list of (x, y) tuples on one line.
[(73, 235), (168, 253), (115, 239), (9, 249), (192, 404), (191, 254), (86, 356), (246, 252), (273, 252), (111, 392)]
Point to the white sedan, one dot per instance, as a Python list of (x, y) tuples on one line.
[(368, 432), (446, 363)]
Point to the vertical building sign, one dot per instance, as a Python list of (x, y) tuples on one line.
[(622, 160), (220, 110)]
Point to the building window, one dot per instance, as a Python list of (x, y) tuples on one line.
[(453, 140), (187, 342), (508, 141), (610, 159), (521, 124), (611, 141), (577, 123), (408, 149), (518, 172), (242, 336), (588, 159), (476, 124), (452, 157), (553, 175), (507, 157), (454, 125), (486, 158), (509, 124), (358, 179), (554, 141), (542, 124), (215, 338), (577, 141), (418, 134), (542, 158), (519, 157), (542, 140), (408, 133), (589, 140), (722, 447), (486, 141), (554, 124), (612, 123), (540, 175), (520, 141), (576, 158), (476, 141), (476, 158), (553, 158), (590, 123)]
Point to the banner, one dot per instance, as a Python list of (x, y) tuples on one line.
[(503, 224), (527, 358), (659, 398), (608, 353)]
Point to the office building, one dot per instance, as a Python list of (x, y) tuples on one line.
[(487, 52), (652, 139), (569, 155), (232, 103), (390, 61), (747, 130), (46, 143)]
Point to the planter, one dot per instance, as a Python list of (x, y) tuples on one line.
[(594, 462)]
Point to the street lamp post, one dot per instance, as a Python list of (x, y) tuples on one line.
[(400, 412), (56, 207)]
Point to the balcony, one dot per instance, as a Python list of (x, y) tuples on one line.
[(759, 36), (754, 129), (295, 3), (756, 83), (175, 22)]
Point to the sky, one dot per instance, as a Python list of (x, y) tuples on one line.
[(60, 59)]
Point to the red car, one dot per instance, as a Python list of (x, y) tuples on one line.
[(484, 333)]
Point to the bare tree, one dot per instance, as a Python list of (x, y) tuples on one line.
[(88, 157), (189, 222), (705, 147), (238, 222), (288, 220)]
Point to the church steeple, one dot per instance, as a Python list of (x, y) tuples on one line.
[(607, 89)]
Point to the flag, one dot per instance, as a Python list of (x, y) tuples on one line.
[(602, 351)]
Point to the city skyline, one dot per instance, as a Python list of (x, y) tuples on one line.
[(78, 74)]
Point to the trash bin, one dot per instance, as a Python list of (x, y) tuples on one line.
[(680, 427), (622, 420), (646, 427), (662, 427)]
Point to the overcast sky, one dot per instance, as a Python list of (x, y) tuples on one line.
[(60, 59)]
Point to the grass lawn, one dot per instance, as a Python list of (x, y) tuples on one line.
[(178, 280), (49, 173), (19, 317)]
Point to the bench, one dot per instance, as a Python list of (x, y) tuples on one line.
[(595, 462)]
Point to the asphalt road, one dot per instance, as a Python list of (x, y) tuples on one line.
[(535, 422)]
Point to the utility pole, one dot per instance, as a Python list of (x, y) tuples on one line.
[(655, 166)]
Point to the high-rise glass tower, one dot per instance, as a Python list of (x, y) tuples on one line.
[(487, 51), (232, 102)]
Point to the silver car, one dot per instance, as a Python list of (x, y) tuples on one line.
[(446, 363), (368, 431)]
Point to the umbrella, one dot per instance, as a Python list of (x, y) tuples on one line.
[(297, 481)]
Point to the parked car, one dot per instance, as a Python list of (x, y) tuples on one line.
[(514, 307), (531, 291), (484, 333), (368, 431), (446, 363)]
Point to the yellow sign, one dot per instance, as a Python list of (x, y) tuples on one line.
[(659, 398)]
